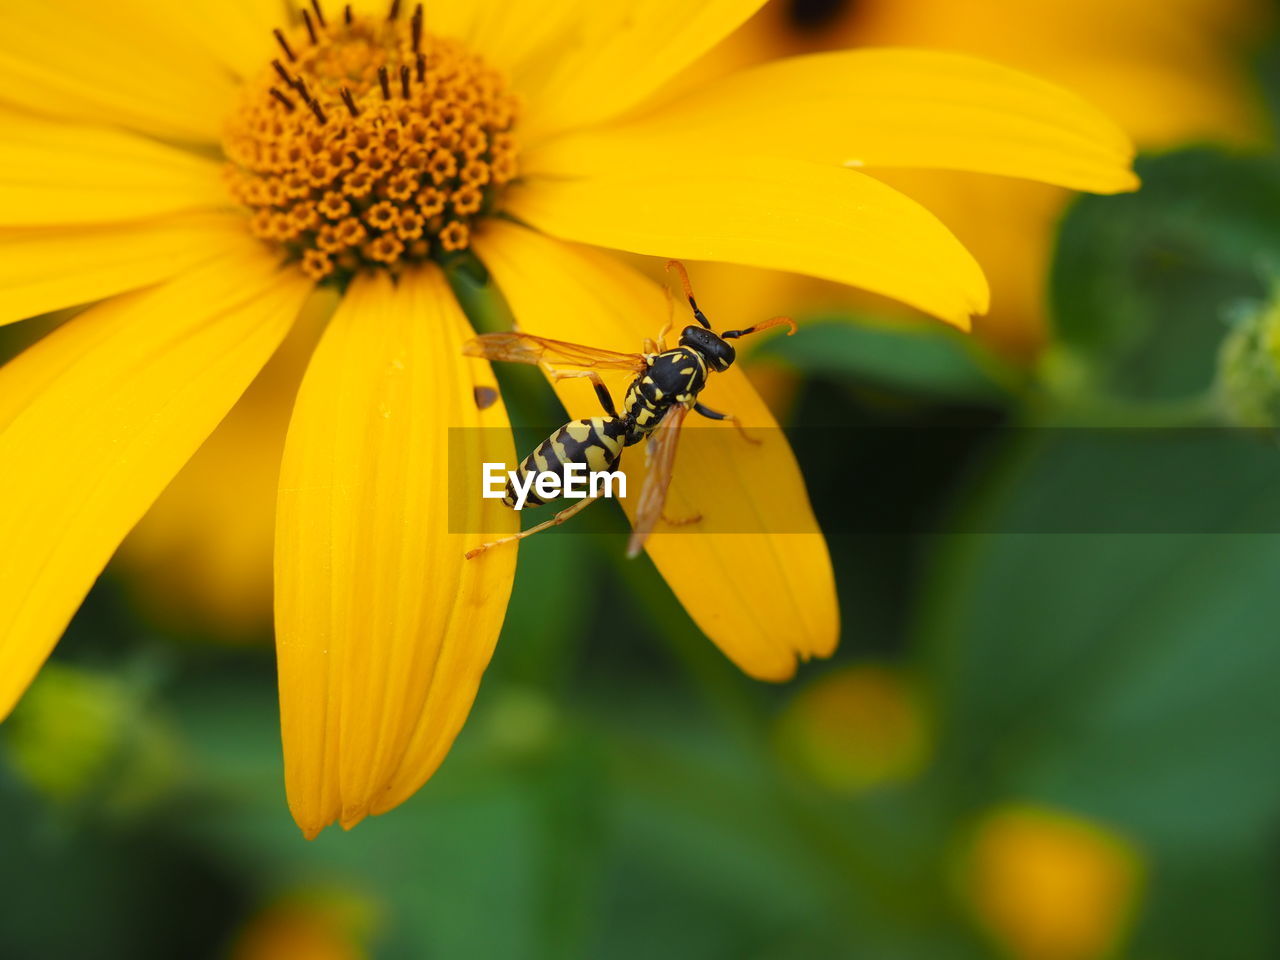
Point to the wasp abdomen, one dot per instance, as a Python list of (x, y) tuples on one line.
[(595, 443)]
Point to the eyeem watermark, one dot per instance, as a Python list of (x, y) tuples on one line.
[(574, 483)]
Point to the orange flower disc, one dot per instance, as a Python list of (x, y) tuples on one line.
[(369, 142)]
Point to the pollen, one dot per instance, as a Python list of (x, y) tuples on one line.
[(369, 142)]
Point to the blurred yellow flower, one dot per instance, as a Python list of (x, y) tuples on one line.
[(856, 728), (1051, 886), (1169, 71), (307, 926), (199, 168)]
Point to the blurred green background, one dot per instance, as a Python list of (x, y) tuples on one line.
[(1033, 745)]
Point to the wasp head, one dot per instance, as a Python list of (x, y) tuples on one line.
[(714, 350)]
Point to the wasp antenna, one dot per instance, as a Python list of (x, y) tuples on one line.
[(677, 266), (315, 5), (774, 322), (688, 291)]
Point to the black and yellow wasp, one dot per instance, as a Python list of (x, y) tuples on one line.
[(665, 388)]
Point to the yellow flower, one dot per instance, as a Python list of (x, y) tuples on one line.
[(1051, 886), (1168, 72), (856, 729), (201, 557), (308, 925), (179, 163)]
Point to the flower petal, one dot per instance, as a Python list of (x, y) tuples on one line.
[(581, 61), (114, 63), (98, 416), (57, 173), (764, 598), (383, 629), (201, 559), (237, 32), (777, 213), (47, 269), (881, 108)]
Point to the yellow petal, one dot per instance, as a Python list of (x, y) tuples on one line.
[(97, 417), (1168, 72), (764, 598), (778, 213), (1010, 227), (201, 559), (581, 61), (120, 63), (383, 629), (880, 108), (47, 269), (57, 173), (237, 32)]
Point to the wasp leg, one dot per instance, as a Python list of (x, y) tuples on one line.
[(555, 521), (728, 417), (606, 399)]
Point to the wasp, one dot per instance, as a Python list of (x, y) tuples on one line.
[(663, 391)]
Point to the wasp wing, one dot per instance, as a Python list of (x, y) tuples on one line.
[(523, 348), (662, 461)]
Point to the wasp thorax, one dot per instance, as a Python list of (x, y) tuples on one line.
[(370, 142)]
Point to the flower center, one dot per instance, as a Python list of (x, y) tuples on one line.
[(369, 143)]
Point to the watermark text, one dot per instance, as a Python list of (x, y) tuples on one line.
[(576, 483)]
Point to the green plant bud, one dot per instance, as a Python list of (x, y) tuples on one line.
[(81, 738), (1248, 383)]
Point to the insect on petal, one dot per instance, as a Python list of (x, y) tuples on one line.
[(766, 598)]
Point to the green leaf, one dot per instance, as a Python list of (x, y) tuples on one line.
[(1141, 283), (1127, 676), (920, 358)]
